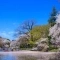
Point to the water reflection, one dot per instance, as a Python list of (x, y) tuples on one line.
[(11, 57), (27, 58), (7, 57)]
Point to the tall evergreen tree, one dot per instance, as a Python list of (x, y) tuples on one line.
[(52, 19)]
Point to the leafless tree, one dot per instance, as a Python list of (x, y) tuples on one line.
[(25, 28)]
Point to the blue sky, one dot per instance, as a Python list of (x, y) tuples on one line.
[(14, 12)]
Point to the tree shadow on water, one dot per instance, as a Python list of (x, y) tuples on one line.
[(27, 58), (56, 57)]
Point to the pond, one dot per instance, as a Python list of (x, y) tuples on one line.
[(7, 57), (29, 56), (11, 57)]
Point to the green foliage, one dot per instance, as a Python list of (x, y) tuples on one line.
[(26, 43), (36, 33), (49, 40), (52, 48), (31, 44), (52, 19), (49, 43), (39, 32), (23, 46)]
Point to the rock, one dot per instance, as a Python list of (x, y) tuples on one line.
[(46, 48), (43, 41), (34, 49), (42, 47)]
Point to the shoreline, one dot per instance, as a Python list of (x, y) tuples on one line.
[(23, 52), (36, 54)]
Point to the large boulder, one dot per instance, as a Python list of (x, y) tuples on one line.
[(42, 47), (34, 49), (43, 41)]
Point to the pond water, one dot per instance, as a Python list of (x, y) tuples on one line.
[(7, 57), (25, 57), (11, 57)]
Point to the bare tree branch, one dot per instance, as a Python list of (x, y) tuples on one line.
[(25, 28)]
